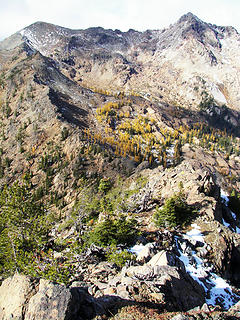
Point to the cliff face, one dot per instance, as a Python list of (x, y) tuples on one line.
[(101, 126)]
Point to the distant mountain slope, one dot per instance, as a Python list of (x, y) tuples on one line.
[(103, 81), (177, 64)]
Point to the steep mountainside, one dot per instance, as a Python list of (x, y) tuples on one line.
[(112, 139), (176, 64)]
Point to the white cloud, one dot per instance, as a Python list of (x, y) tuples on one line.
[(117, 14)]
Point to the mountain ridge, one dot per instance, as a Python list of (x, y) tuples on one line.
[(176, 53)]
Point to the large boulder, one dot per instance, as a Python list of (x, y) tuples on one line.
[(146, 253), (15, 293), (23, 298), (163, 280), (165, 258), (52, 301)]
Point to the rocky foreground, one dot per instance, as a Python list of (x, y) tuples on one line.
[(25, 298), (175, 274)]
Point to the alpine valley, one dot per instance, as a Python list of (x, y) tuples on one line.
[(120, 173)]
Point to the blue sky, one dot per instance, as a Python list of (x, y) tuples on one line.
[(115, 14)]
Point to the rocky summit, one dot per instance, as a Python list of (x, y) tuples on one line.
[(120, 173)]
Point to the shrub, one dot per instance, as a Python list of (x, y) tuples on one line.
[(24, 227), (114, 230), (206, 102), (46, 266), (105, 185), (175, 212), (64, 133), (118, 256)]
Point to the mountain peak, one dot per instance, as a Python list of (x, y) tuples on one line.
[(40, 26), (189, 17)]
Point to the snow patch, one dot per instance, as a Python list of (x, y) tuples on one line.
[(224, 197), (218, 291), (137, 249), (226, 224), (217, 94), (225, 200), (41, 42), (195, 233), (235, 218)]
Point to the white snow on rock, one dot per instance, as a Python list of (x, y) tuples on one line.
[(235, 218), (217, 94), (218, 291), (225, 200), (226, 224), (41, 42), (238, 230), (137, 249), (195, 233), (224, 197)]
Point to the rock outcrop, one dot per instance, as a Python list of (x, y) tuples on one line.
[(15, 294), (161, 283), (22, 298), (164, 287)]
